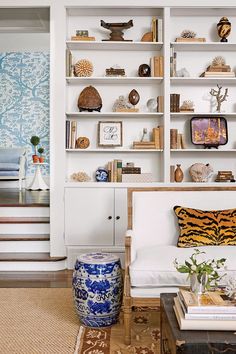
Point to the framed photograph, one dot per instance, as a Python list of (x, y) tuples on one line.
[(209, 131), (109, 133)]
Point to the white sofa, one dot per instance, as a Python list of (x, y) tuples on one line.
[(13, 164), (152, 238)]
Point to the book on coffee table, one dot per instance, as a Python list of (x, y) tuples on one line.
[(204, 324)]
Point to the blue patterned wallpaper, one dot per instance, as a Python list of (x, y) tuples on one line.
[(24, 101)]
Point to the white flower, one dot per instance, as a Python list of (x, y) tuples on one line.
[(193, 268)]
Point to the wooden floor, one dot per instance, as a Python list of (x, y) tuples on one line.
[(59, 279), (14, 197)]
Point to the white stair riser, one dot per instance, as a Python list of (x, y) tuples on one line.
[(32, 266), (24, 229), (24, 246), (24, 212)]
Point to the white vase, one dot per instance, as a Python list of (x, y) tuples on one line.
[(196, 286)]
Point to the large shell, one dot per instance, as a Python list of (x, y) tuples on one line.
[(89, 100), (200, 172), (83, 68)]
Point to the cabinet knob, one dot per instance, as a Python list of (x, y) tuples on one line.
[(118, 218), (109, 217)]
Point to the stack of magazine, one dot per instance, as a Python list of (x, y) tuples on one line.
[(212, 310)]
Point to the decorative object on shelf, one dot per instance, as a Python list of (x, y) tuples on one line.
[(134, 97), (82, 33), (203, 274), (209, 131), (225, 176), (152, 105), (83, 68), (187, 106), (219, 96), (110, 133), (80, 176), (115, 71), (145, 135), (218, 68), (101, 174), (224, 29), (117, 30), (144, 70), (147, 37), (35, 140), (41, 157), (89, 100), (230, 289), (189, 36), (82, 142), (182, 73), (200, 172), (122, 104), (179, 175), (98, 288)]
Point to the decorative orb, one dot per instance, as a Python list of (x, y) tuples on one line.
[(134, 97), (224, 28), (152, 105), (83, 68), (144, 70), (101, 175), (89, 100), (82, 142)]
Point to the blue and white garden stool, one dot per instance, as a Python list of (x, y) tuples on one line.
[(98, 289)]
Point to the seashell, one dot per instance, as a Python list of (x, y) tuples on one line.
[(83, 68), (89, 100), (218, 61), (134, 97), (224, 28), (200, 172)]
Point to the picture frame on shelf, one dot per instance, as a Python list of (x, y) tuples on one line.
[(110, 133)]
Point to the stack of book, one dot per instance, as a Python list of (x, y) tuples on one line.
[(160, 104), (218, 71), (173, 58), (174, 102), (224, 176), (177, 140), (82, 35), (192, 39), (212, 310), (114, 171), (156, 29), (157, 66), (71, 134)]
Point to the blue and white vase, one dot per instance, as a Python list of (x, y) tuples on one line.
[(98, 289), (101, 175)]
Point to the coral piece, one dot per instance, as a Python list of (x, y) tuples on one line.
[(83, 68), (200, 172), (89, 100), (188, 34), (187, 105), (219, 97), (80, 177), (218, 61), (182, 73), (121, 103)]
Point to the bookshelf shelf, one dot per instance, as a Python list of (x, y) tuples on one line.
[(114, 80), (203, 46), (192, 114), (203, 150), (98, 115), (110, 45), (113, 150), (202, 80)]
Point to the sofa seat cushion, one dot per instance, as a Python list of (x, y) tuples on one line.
[(9, 173), (154, 267), (7, 166)]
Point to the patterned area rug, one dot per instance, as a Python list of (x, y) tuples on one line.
[(145, 336)]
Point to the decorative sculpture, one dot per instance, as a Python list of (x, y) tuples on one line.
[(116, 30), (89, 100), (134, 97), (83, 68), (144, 70), (224, 29), (219, 97), (200, 172)]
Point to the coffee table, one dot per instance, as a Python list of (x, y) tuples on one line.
[(174, 341)]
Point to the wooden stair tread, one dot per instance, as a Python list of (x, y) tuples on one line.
[(29, 257), (24, 220), (23, 237)]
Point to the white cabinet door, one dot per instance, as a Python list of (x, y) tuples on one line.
[(120, 215), (89, 216)]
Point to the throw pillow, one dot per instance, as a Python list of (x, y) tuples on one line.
[(206, 228)]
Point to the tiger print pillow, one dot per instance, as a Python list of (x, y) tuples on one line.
[(206, 228)]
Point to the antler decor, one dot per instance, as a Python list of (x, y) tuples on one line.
[(219, 97)]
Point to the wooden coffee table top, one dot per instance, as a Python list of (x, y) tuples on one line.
[(218, 340)]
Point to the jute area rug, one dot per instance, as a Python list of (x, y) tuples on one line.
[(44, 321)]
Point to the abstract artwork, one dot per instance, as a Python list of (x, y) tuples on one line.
[(24, 101)]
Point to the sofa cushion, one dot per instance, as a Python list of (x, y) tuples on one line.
[(154, 266), (9, 174), (6, 166), (199, 227), (11, 155)]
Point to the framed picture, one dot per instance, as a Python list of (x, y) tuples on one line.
[(209, 131), (109, 133)]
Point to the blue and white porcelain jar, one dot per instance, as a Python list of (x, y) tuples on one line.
[(98, 288), (101, 175)]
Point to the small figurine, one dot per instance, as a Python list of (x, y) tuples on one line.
[(224, 29), (219, 97), (145, 135)]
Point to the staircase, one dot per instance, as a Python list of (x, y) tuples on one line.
[(25, 239)]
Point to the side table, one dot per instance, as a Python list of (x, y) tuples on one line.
[(38, 182)]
